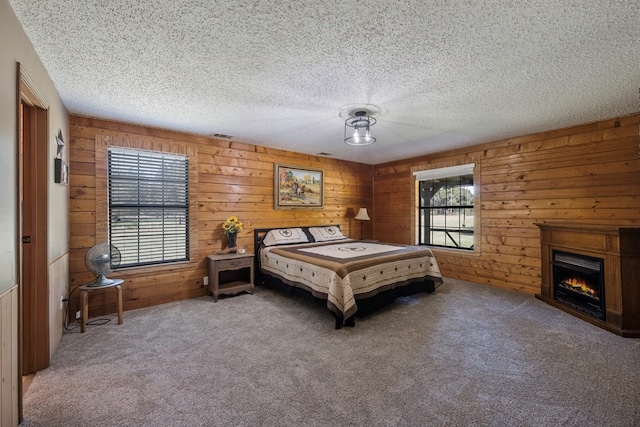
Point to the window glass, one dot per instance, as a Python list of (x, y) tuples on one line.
[(446, 212)]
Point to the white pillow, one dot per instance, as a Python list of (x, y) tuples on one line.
[(325, 234), (285, 236)]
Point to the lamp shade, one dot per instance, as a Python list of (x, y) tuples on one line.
[(361, 123), (362, 215)]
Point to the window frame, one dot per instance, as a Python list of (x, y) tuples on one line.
[(95, 182), (143, 197), (444, 173)]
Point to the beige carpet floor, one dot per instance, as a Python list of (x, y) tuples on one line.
[(464, 355)]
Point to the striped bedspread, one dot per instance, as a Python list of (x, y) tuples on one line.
[(344, 271)]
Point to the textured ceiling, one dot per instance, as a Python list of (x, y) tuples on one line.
[(440, 74)]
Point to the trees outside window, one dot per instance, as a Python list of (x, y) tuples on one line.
[(446, 212)]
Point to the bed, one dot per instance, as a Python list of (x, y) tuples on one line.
[(353, 277)]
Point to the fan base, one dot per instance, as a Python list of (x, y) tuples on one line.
[(100, 281)]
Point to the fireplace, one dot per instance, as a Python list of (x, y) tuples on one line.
[(592, 272), (578, 281)]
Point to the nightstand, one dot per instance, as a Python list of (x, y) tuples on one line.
[(230, 274)]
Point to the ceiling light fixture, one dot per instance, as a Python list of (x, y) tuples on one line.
[(357, 129)]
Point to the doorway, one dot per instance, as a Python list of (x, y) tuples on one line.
[(33, 172)]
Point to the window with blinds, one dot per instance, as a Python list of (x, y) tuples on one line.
[(148, 206)]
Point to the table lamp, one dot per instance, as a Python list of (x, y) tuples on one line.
[(362, 216)]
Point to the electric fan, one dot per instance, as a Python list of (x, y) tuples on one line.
[(102, 259)]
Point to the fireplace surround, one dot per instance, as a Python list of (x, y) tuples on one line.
[(593, 272)]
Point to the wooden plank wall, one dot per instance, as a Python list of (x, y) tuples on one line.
[(228, 178), (9, 373), (58, 279), (586, 174)]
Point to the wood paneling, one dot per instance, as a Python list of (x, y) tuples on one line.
[(59, 277), (9, 378), (227, 178), (587, 174)]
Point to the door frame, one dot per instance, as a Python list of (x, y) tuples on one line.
[(33, 170)]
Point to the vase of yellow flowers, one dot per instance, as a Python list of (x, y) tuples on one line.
[(231, 228)]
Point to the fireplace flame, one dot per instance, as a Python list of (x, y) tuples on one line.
[(579, 285)]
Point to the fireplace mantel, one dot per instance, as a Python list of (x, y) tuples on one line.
[(619, 247)]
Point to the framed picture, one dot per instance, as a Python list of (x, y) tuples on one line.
[(297, 187), (60, 172)]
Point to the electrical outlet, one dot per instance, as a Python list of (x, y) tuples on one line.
[(206, 280), (77, 315), (61, 302)]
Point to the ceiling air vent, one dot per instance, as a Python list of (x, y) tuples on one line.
[(222, 136)]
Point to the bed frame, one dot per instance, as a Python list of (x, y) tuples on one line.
[(366, 306)]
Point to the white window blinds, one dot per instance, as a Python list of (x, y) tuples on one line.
[(447, 172)]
